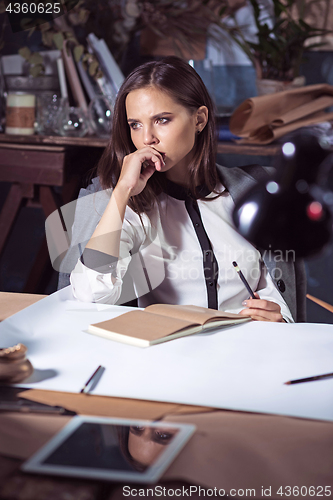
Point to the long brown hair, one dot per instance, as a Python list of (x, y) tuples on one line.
[(177, 78)]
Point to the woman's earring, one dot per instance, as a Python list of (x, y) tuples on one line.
[(198, 131)]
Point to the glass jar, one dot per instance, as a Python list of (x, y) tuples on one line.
[(70, 121), (100, 113)]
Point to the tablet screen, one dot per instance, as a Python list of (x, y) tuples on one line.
[(112, 449)]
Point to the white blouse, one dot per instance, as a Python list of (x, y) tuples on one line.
[(169, 263)]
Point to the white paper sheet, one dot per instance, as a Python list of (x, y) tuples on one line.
[(241, 368)]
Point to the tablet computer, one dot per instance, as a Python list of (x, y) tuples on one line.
[(111, 449)]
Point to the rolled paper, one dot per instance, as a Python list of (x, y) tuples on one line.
[(263, 119), (62, 78), (20, 114)]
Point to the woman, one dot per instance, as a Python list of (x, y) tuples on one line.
[(169, 215), (142, 445)]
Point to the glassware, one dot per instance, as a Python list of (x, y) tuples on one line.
[(70, 121), (100, 113), (48, 105)]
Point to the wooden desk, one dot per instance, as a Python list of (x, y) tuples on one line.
[(11, 303), (36, 166), (230, 450)]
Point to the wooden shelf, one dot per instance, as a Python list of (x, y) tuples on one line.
[(56, 140), (233, 148), (97, 142)]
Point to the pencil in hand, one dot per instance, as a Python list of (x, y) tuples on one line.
[(242, 277)]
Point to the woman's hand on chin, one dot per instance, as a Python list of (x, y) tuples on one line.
[(137, 168), (262, 310)]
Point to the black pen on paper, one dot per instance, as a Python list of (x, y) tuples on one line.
[(309, 379), (242, 277), (92, 378)]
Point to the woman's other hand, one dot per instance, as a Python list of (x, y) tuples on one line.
[(262, 310), (137, 168)]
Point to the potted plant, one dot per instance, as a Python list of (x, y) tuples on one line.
[(281, 40)]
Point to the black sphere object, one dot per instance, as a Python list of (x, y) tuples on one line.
[(286, 213)]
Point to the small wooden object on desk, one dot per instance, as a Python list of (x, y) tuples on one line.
[(14, 365)]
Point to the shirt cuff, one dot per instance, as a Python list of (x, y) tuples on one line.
[(99, 261)]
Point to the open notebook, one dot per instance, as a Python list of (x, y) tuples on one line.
[(162, 322)]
